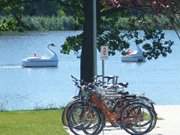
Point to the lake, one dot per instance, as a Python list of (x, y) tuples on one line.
[(28, 88)]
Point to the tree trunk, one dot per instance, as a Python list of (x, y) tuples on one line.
[(88, 56)]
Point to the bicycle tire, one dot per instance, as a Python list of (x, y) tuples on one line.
[(152, 122), (65, 110), (76, 126)]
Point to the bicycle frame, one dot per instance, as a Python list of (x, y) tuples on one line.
[(112, 116)]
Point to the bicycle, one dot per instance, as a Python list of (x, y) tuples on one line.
[(99, 106)]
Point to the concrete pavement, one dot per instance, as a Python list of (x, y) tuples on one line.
[(168, 125)]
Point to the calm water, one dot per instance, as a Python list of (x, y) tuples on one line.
[(27, 88)]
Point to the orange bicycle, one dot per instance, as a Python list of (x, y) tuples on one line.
[(90, 113)]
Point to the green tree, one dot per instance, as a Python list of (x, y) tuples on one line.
[(41, 7), (143, 15), (74, 8), (14, 9), (140, 14)]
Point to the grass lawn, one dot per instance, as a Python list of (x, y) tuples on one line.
[(44, 122)]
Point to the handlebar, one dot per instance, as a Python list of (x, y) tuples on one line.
[(74, 78), (90, 86), (107, 79), (76, 81), (81, 83)]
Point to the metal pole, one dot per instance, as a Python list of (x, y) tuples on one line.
[(103, 71), (95, 36)]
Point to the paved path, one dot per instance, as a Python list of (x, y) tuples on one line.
[(169, 125)]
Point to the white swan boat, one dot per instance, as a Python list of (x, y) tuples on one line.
[(40, 61), (134, 56)]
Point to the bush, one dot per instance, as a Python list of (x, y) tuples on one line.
[(7, 24)]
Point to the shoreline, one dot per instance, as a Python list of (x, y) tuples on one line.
[(157, 107), (44, 31)]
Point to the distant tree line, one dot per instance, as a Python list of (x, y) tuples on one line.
[(54, 14), (37, 15), (30, 7)]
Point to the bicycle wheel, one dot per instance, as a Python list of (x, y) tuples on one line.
[(102, 125), (63, 117), (146, 101), (150, 104), (138, 119), (83, 119), (65, 110)]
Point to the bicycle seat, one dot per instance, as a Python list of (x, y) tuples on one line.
[(123, 92), (123, 84)]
